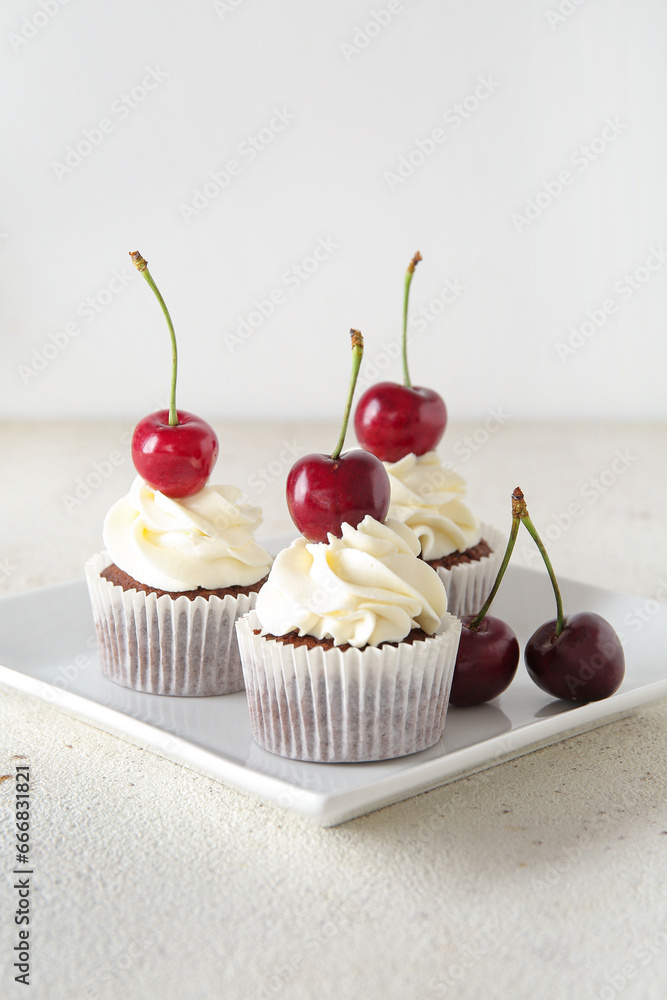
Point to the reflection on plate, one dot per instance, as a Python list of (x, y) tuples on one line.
[(57, 662)]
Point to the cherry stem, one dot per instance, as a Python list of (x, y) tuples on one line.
[(477, 621), (357, 355), (406, 295), (142, 266), (520, 503)]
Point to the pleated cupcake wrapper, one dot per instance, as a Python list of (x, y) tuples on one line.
[(353, 705), (166, 645), (469, 584)]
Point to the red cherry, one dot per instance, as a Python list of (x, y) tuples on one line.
[(326, 491), (392, 420), (579, 658), (174, 459), (486, 661), (174, 451), (323, 493), (584, 663)]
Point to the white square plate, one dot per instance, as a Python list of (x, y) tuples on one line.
[(47, 646)]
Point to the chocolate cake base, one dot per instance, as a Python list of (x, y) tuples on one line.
[(473, 554), (310, 642), (115, 575)]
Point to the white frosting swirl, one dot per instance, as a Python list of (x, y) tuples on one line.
[(365, 588), (204, 540), (427, 498)]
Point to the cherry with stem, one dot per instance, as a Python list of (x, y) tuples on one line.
[(173, 450), (579, 657), (393, 420), (326, 491), (488, 653)]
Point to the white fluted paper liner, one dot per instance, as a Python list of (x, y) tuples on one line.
[(469, 584), (352, 705), (166, 645)]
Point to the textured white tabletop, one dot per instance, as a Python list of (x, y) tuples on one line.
[(542, 877)]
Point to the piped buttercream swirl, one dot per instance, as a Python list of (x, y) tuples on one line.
[(428, 498), (204, 540), (365, 588)]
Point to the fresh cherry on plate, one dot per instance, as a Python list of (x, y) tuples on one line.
[(584, 662), (393, 420), (488, 653), (173, 450), (486, 661), (326, 491), (578, 658)]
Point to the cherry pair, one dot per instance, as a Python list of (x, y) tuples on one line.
[(578, 658), (391, 420)]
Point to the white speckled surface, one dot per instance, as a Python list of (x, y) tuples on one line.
[(543, 877)]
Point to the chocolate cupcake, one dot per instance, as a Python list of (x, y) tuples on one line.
[(466, 554), (349, 653), (175, 577)]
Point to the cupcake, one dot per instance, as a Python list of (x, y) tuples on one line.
[(349, 652), (181, 562), (176, 574), (466, 554)]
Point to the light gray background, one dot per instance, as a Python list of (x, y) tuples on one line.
[(180, 88)]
